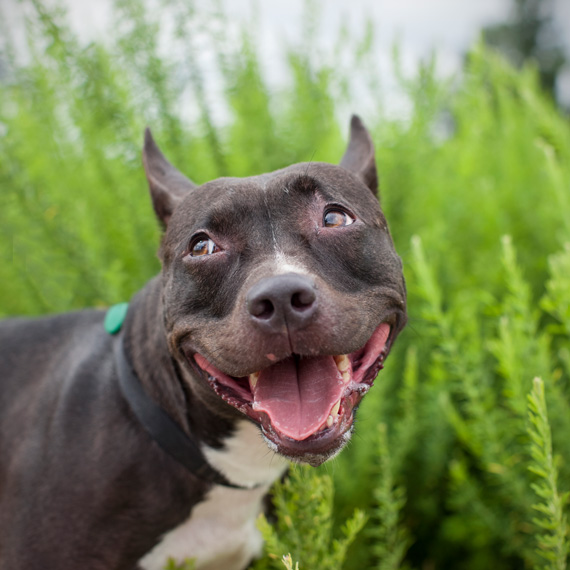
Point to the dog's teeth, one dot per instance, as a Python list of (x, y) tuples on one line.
[(346, 377), (333, 415), (342, 362), (253, 378)]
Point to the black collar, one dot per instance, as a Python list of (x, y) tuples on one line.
[(161, 427)]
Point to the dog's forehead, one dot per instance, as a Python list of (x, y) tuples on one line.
[(279, 191)]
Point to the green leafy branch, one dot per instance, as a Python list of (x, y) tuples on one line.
[(304, 509), (553, 542)]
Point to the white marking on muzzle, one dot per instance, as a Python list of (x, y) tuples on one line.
[(286, 264)]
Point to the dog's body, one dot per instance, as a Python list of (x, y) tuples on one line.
[(80, 488), (266, 283)]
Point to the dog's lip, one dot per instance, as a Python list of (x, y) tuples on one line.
[(320, 438)]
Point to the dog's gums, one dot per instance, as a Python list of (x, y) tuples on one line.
[(304, 403)]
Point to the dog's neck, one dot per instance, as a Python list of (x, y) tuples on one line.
[(147, 349)]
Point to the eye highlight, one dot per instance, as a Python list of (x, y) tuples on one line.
[(202, 245), (337, 218)]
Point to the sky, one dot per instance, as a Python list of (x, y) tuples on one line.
[(449, 27)]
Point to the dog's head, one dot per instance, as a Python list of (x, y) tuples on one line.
[(282, 292)]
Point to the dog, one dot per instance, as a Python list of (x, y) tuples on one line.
[(155, 431)]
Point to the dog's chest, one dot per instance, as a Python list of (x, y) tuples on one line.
[(221, 533)]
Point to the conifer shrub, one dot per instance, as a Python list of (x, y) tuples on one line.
[(461, 455)]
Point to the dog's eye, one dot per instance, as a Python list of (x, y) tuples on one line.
[(337, 219), (202, 245)]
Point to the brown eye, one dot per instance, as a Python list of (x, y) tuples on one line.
[(337, 219), (202, 245)]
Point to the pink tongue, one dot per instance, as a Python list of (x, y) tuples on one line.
[(298, 394)]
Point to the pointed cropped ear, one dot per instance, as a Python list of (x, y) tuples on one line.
[(167, 185), (359, 155)]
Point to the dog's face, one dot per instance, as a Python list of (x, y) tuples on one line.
[(282, 292)]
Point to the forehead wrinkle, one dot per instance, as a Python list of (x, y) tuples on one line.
[(301, 183), (227, 217), (270, 220), (220, 221)]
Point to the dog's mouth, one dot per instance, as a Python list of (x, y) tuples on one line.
[(304, 404)]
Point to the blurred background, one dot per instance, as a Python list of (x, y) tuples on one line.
[(521, 29), (461, 457)]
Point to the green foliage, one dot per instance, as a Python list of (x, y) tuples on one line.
[(175, 565), (304, 526), (476, 186), (390, 539), (288, 563), (557, 300), (553, 543)]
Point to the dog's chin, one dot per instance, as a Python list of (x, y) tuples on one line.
[(314, 450), (304, 405)]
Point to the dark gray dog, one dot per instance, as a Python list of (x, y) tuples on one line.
[(279, 298)]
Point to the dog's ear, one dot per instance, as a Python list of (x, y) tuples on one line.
[(359, 155), (167, 185)]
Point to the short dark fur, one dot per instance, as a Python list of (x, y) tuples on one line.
[(82, 486)]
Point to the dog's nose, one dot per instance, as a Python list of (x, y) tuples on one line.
[(288, 300)]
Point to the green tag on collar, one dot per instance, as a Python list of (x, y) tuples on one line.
[(115, 317)]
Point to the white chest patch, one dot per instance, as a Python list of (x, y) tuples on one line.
[(220, 532)]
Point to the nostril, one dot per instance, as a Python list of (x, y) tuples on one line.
[(303, 300), (262, 309)]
